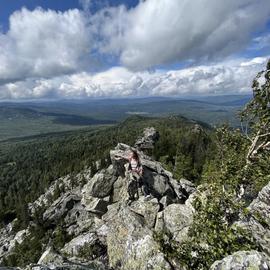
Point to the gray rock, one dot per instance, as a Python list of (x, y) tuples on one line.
[(243, 260), (150, 137), (69, 183), (261, 204), (158, 184), (146, 208), (79, 220), (154, 166), (165, 201), (51, 258), (130, 242), (188, 186), (95, 205), (120, 192), (183, 188), (119, 158), (101, 184), (9, 239), (61, 207), (175, 219), (74, 247)]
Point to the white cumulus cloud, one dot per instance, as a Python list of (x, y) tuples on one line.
[(228, 77), (49, 54), (162, 31), (43, 43)]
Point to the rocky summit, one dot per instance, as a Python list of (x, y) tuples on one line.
[(106, 229)]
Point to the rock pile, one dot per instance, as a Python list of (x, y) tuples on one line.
[(108, 231), (116, 232)]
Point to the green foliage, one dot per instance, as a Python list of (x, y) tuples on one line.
[(60, 237), (227, 159), (92, 251), (213, 234), (29, 251), (186, 150), (257, 111)]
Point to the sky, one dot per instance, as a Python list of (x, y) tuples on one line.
[(54, 49)]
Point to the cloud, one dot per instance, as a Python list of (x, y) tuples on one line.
[(228, 77), (43, 43), (157, 32), (49, 54)]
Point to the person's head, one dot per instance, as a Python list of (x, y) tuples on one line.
[(134, 155)]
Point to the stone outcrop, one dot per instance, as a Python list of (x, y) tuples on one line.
[(58, 188), (150, 137), (243, 260), (101, 221)]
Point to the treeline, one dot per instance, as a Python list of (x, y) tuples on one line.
[(28, 168)]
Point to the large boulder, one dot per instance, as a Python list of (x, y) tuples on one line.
[(148, 208), (95, 205), (175, 219), (101, 184), (158, 184), (51, 258), (243, 260), (61, 207), (85, 243), (130, 243), (119, 158), (120, 191), (79, 220)]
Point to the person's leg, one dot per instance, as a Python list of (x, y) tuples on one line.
[(132, 186), (136, 178), (144, 187)]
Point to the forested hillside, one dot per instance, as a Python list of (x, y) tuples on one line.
[(28, 167)]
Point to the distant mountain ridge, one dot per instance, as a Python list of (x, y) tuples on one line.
[(31, 118)]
